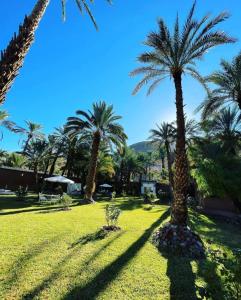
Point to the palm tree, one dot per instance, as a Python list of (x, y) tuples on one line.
[(15, 160), (164, 135), (12, 58), (226, 127), (36, 153), (58, 141), (173, 55), (32, 132), (228, 82), (100, 125), (6, 123)]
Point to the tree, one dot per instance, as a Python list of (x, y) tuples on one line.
[(228, 88), (173, 55), (6, 123), (37, 155), (225, 126), (15, 160), (100, 125), (164, 135), (12, 58), (32, 132)]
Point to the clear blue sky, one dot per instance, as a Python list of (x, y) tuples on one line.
[(71, 65)]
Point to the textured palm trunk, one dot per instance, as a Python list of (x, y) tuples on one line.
[(179, 206), (169, 165), (26, 144), (12, 58), (90, 181)]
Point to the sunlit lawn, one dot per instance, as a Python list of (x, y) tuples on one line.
[(51, 254)]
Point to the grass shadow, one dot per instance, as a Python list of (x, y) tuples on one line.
[(21, 263), (93, 288), (182, 278), (57, 270), (92, 237), (129, 203)]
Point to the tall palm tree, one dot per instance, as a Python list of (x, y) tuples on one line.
[(12, 58), (36, 153), (226, 127), (173, 55), (32, 132), (57, 140), (164, 135), (228, 82), (101, 126)]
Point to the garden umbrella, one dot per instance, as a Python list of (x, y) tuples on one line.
[(60, 179)]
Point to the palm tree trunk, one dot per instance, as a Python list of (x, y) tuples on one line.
[(90, 181), (26, 144), (179, 206), (169, 164), (12, 58)]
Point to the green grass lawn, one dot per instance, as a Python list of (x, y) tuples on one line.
[(46, 253)]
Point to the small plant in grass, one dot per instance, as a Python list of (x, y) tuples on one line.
[(66, 201), (112, 214), (113, 195), (149, 197), (21, 193)]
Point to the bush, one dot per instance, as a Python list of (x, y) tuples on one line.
[(21, 192), (66, 201), (112, 214), (148, 197), (112, 195), (229, 268)]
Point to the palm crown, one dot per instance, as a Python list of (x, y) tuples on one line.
[(82, 5), (175, 53), (226, 126), (228, 82), (101, 120)]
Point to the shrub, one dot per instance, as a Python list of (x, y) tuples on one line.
[(21, 192), (229, 268), (112, 214), (148, 197), (112, 195), (66, 201)]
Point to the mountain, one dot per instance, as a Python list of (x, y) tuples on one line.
[(144, 146)]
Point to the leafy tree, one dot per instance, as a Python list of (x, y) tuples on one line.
[(171, 56), (225, 126), (228, 87), (12, 58), (216, 173), (100, 125), (15, 160)]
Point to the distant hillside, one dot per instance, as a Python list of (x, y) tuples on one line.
[(142, 147)]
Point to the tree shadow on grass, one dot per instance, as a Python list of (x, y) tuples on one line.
[(215, 231), (182, 278), (91, 237), (208, 271), (92, 289), (130, 203), (21, 263), (39, 209), (57, 270)]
